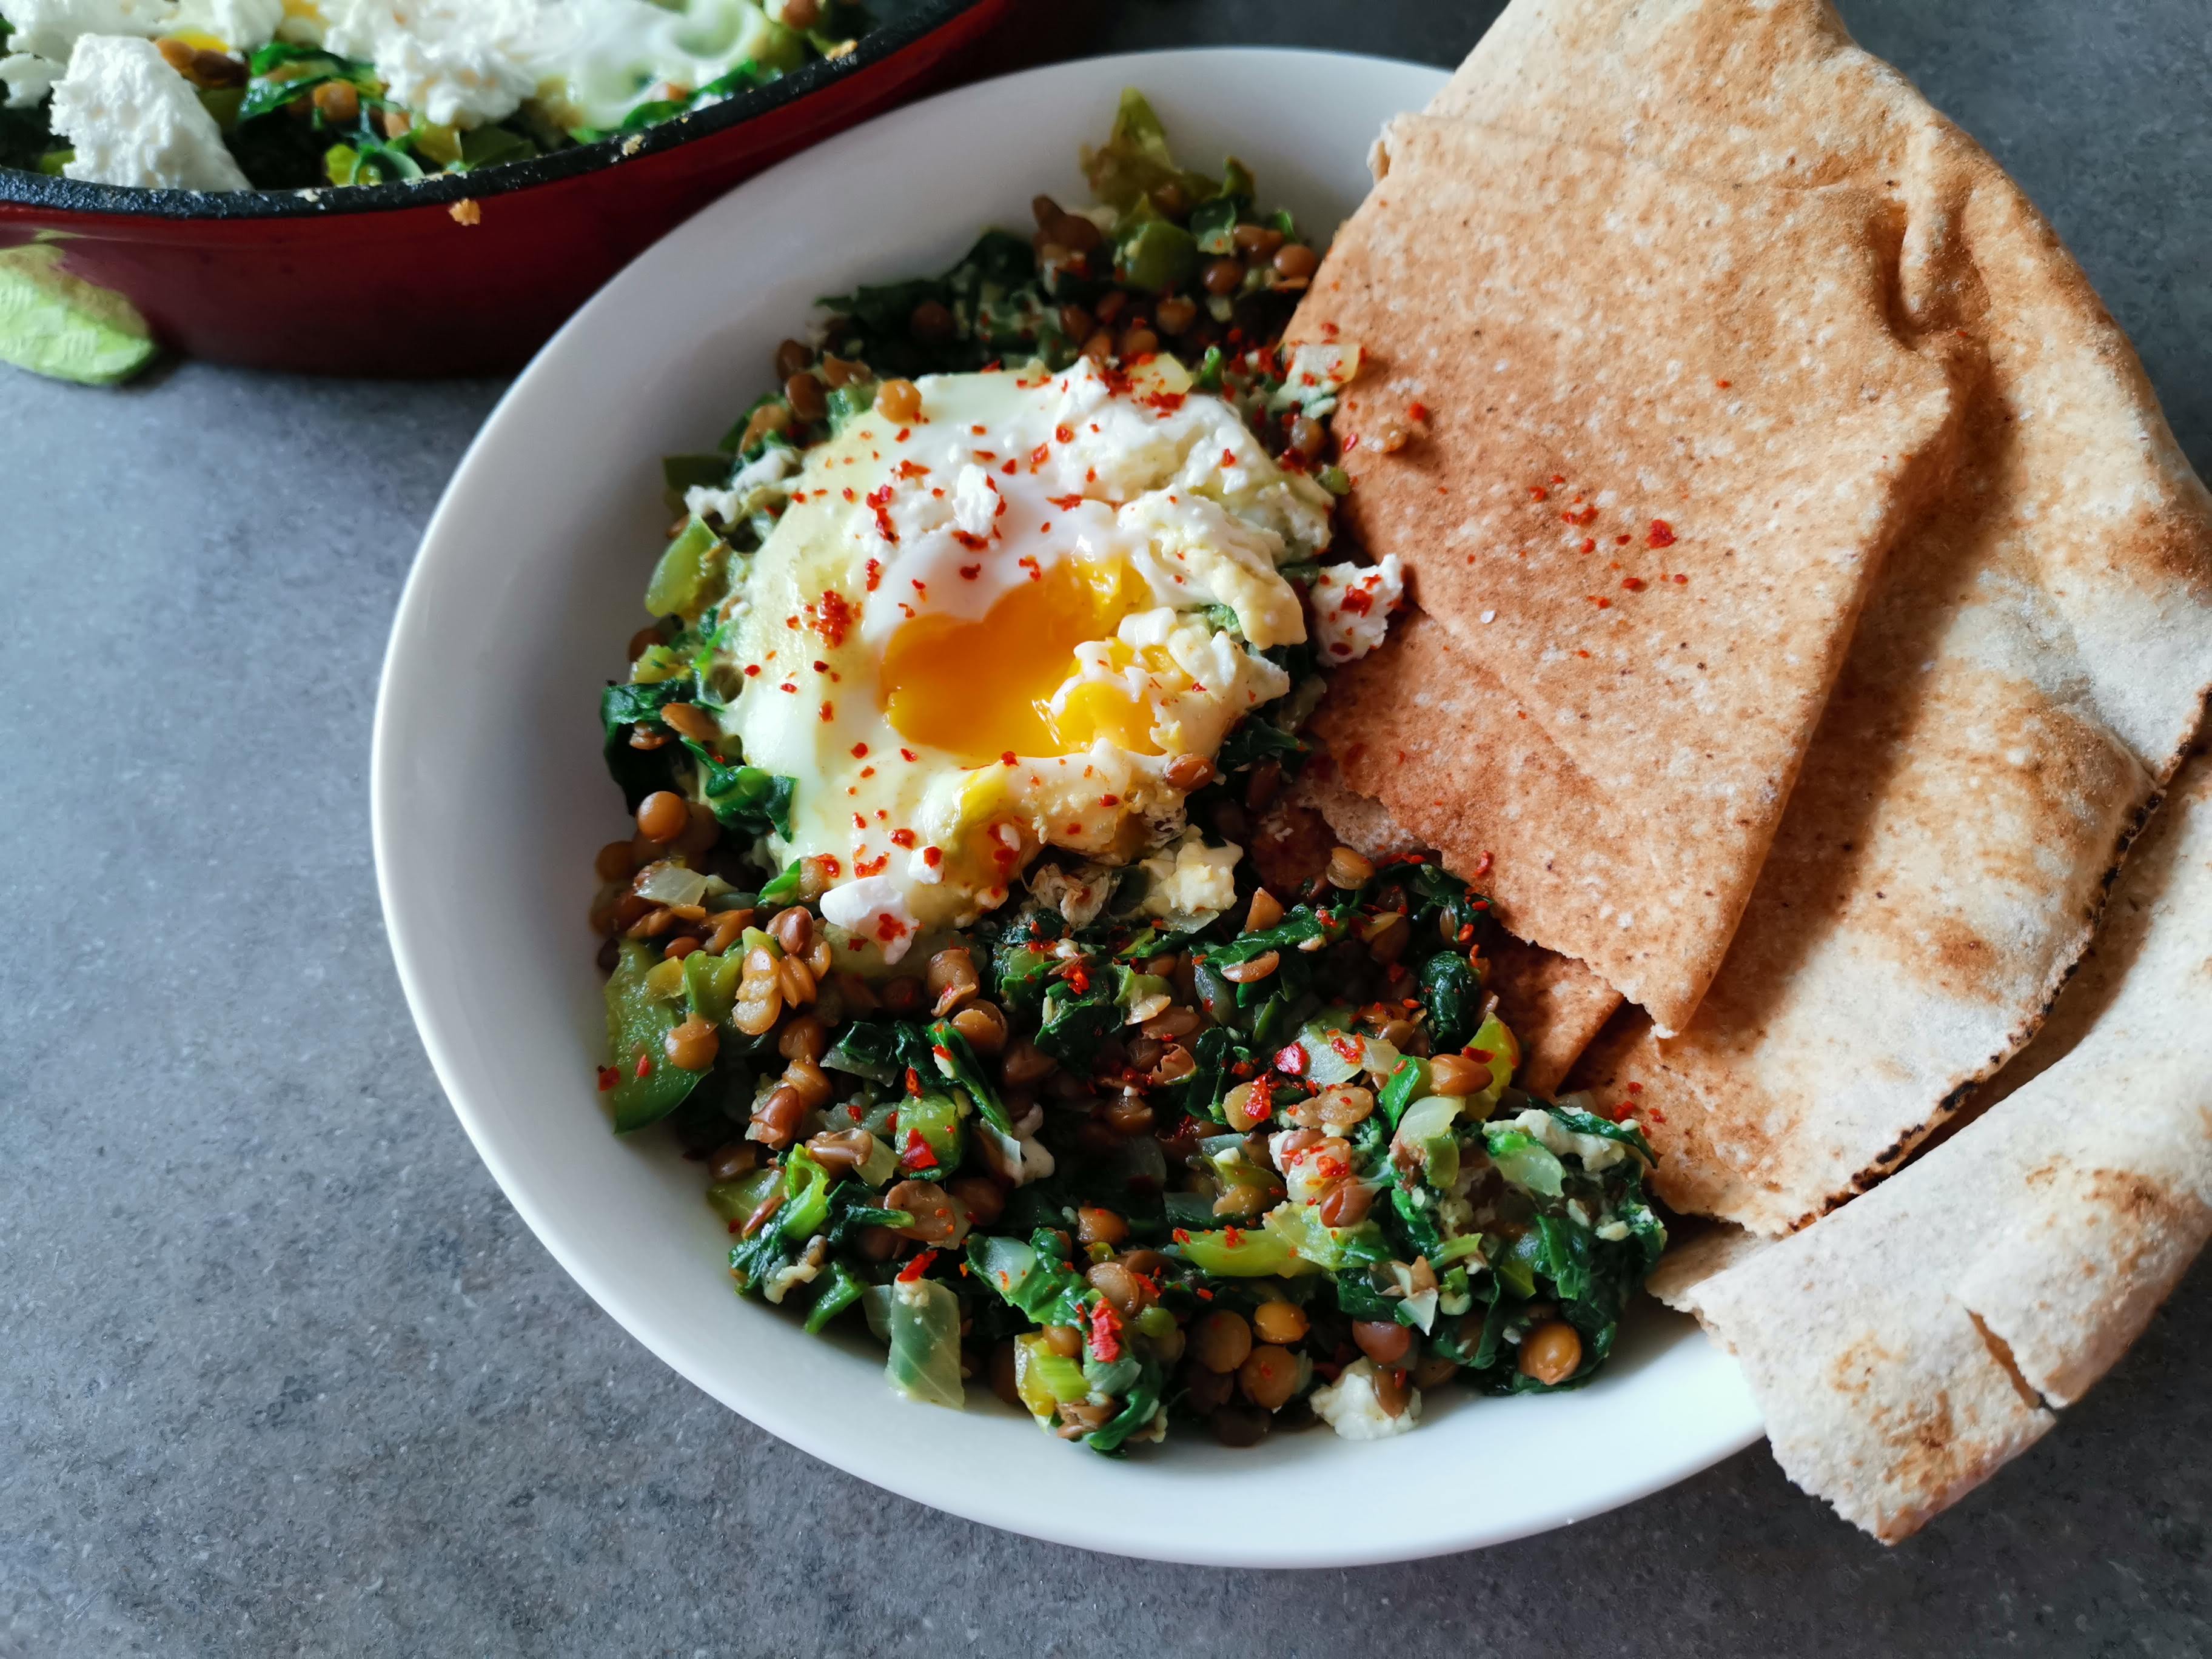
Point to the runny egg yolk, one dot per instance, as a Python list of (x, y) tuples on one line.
[(983, 689)]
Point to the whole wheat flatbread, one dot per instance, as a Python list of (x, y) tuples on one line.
[(1905, 1346), (1672, 429), (2024, 676)]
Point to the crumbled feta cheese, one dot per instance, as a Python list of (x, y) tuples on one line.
[(873, 907), (134, 120), (1020, 1159), (1613, 1231), (1353, 604), (241, 25), (458, 64), (1350, 1406), (1191, 879), (1596, 1151)]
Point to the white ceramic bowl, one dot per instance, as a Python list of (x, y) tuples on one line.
[(489, 800)]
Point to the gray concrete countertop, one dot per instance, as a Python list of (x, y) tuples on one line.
[(281, 1373)]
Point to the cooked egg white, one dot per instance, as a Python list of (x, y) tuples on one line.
[(993, 631)]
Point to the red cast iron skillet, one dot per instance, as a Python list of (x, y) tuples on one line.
[(383, 279)]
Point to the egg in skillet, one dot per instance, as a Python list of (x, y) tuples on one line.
[(1024, 619)]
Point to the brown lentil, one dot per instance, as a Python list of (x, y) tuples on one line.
[(680, 947), (612, 863), (732, 1160), (792, 357), (793, 929), (177, 54), (936, 1220), (1345, 1204), (803, 1038), (1025, 1063), (899, 400), (1455, 1074), (1269, 1376), (1130, 1115), (1552, 1352), (952, 979), (840, 373), (980, 1196), (338, 103), (1279, 1323), (1245, 1107), (1174, 1022), (843, 1150), (1118, 1286), (1063, 1339), (1343, 1105), (1188, 772), (1432, 1370), (1391, 1393), (1383, 1341), (724, 928), (1094, 1226), (663, 815), (1075, 233), (1295, 262), (775, 1120), (808, 400), (1307, 436), (796, 980), (1221, 1341), (983, 1025), (1266, 910), (1251, 973), (1256, 241), (932, 322), (1174, 314), (760, 994), (902, 995), (1222, 278), (1139, 343), (1348, 868)]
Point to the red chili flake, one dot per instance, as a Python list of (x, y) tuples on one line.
[(875, 574), (1723, 385), (1601, 603), (1663, 534), (752, 670), (932, 857), (902, 434), (1062, 434), (609, 1078), (865, 772), (911, 468), (977, 430), (913, 1081), (916, 1268), (901, 838), (1105, 1336), (1633, 584), (787, 686), (1482, 865), (1291, 1059), (1682, 579), (1109, 800), (1537, 492), (1077, 978), (644, 1065), (849, 495), (1480, 1056), (1586, 516), (1232, 1236), (828, 712), (971, 541), (1348, 1048), (1181, 1235), (860, 751), (1417, 411), (1042, 453), (1006, 757), (1008, 469), (1228, 457), (1636, 1088)]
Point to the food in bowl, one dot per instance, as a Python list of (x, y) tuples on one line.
[(275, 94), (953, 937)]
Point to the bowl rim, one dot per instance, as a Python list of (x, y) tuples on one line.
[(1730, 1422), (20, 188)]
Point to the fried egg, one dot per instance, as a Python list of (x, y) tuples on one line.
[(1000, 627)]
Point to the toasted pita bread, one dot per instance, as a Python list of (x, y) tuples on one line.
[(1905, 1346), (2025, 675), (1672, 430)]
